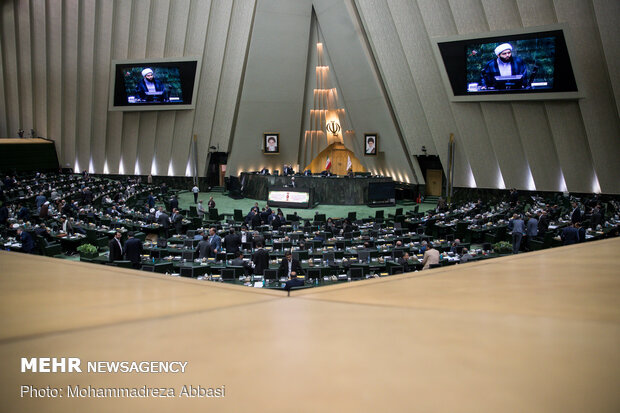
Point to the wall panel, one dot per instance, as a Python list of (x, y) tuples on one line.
[(538, 146), (606, 13), (39, 67), (121, 23), (155, 45), (86, 45), (54, 65), (598, 112), (101, 85), (213, 57), (70, 69), (24, 64)]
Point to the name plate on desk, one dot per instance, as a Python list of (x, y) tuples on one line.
[(289, 197)]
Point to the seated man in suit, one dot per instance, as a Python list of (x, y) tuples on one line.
[(431, 256), (240, 262), (404, 261), (466, 256), (133, 250), (289, 266), (293, 282), (116, 248), (26, 240), (570, 235)]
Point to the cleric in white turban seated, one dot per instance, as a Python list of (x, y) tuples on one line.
[(505, 64), (150, 89)]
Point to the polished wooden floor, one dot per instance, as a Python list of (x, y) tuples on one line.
[(538, 332)]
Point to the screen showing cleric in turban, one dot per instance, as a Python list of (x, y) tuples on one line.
[(154, 84), (511, 65), (144, 84)]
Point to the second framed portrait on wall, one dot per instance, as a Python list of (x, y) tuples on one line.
[(370, 144), (271, 143)]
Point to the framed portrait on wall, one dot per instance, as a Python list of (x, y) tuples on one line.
[(370, 144), (271, 143)]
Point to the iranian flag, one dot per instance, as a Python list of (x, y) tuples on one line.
[(328, 164)]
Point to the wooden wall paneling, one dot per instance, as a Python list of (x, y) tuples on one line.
[(121, 23), (211, 47), (86, 46), (24, 64), (70, 81), (101, 84), (39, 67), (598, 112)]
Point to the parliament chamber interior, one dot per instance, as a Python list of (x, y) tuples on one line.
[(309, 205)]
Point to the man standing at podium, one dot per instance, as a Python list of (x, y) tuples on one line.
[(505, 65)]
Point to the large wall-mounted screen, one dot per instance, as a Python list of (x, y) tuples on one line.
[(167, 84), (509, 66)]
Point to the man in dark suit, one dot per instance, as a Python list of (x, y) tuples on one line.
[(177, 221), (26, 240), (575, 216), (174, 203), (232, 241), (293, 282), (133, 250), (570, 235), (543, 222), (289, 266), (164, 221), (255, 220), (116, 248), (260, 259), (150, 89), (404, 261), (239, 262), (203, 248)]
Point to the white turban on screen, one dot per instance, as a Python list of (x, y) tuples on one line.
[(146, 72), (498, 49)]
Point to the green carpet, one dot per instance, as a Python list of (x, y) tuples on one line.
[(226, 205)]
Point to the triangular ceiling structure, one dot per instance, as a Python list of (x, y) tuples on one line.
[(278, 91)]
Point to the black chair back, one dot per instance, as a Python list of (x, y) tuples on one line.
[(356, 273), (270, 274)]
